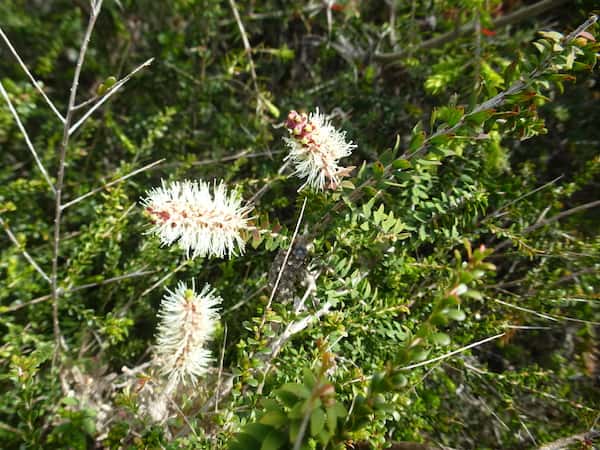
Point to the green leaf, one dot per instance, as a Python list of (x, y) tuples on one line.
[(273, 110), (244, 441), (70, 401), (274, 418), (456, 314), (417, 137), (552, 35), (257, 430), (440, 339), (449, 114), (480, 117), (274, 440), (331, 419), (309, 378), (473, 294), (317, 421), (539, 47)]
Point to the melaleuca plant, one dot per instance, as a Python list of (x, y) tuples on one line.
[(308, 414), (298, 303)]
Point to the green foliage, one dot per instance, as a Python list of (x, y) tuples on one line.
[(471, 214)]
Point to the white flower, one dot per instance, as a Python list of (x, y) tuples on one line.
[(187, 322), (203, 223), (315, 149)]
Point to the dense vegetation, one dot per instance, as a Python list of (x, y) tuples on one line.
[(470, 220)]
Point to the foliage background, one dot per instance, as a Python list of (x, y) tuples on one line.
[(197, 107)]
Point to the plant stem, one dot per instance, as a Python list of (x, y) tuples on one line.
[(61, 175)]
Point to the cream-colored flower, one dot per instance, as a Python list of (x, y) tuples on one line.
[(315, 149), (187, 322), (203, 223)]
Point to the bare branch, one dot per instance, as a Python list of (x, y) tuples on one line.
[(247, 48), (85, 103), (138, 273), (555, 218), (584, 26), (276, 345), (61, 175), (567, 442), (281, 270), (112, 183), (452, 353), (165, 278), (220, 368), (295, 328), (26, 136), (518, 199), (555, 318), (524, 13), (24, 252), (31, 77), (118, 85)]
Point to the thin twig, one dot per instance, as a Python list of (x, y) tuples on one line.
[(448, 355), (166, 277), (185, 419), (108, 94), (220, 368), (524, 13), (112, 183), (205, 162), (553, 317), (61, 174), (24, 252), (6, 427), (275, 346), (85, 103), (282, 269), (310, 8), (303, 425), (35, 301), (31, 77), (26, 136), (245, 300), (268, 185), (555, 218), (518, 199), (567, 442), (293, 329), (489, 104), (248, 50)]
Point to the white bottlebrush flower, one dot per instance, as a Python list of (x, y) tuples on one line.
[(315, 149), (187, 322), (203, 223)]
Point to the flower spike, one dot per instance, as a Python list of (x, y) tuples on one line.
[(315, 149), (204, 223), (187, 322)]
